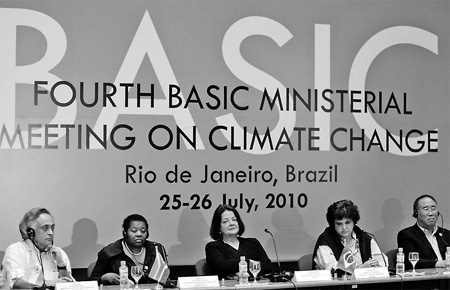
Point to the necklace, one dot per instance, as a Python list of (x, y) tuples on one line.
[(131, 252)]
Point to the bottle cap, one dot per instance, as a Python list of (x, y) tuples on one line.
[(242, 258), (448, 248), (400, 250), (123, 263)]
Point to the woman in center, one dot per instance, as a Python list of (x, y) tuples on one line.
[(342, 232), (223, 254), (134, 248)]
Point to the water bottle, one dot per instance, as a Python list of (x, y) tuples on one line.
[(243, 271), (123, 273), (447, 259), (400, 266)]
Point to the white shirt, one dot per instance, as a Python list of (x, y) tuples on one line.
[(24, 260), (326, 261), (432, 239)]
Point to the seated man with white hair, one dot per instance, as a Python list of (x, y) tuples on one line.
[(34, 261)]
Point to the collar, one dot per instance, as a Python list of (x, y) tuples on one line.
[(33, 247), (30, 244), (427, 232)]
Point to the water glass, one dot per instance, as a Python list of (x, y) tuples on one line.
[(413, 258)]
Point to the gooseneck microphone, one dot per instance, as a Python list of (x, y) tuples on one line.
[(442, 226), (169, 283), (276, 252), (382, 255), (164, 252), (278, 277)]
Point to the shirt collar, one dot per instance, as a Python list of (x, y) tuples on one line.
[(426, 232)]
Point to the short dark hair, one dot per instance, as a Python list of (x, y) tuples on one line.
[(214, 230), (30, 216), (342, 209), (416, 203), (133, 218)]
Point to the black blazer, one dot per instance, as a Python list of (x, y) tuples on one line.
[(413, 239), (109, 258)]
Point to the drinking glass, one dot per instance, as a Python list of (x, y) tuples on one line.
[(414, 258), (136, 273), (255, 268)]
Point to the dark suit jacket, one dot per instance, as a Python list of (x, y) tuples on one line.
[(223, 259), (413, 239)]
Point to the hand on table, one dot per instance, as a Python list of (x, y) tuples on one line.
[(370, 263)]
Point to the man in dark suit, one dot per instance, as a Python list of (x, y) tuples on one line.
[(425, 236)]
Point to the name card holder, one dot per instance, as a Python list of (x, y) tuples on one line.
[(85, 285), (375, 272), (315, 275), (198, 282)]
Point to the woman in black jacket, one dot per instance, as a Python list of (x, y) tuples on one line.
[(133, 248), (223, 254)]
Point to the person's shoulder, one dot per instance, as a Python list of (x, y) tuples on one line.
[(214, 244), (325, 234), (17, 248), (112, 247), (18, 245), (367, 235), (117, 243), (407, 230), (250, 240)]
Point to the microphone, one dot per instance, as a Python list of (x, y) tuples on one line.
[(442, 226), (169, 283), (165, 255), (277, 277), (276, 252)]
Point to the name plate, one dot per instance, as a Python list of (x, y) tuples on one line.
[(316, 275), (375, 272), (198, 282), (86, 285)]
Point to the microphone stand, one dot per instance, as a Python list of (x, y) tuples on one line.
[(169, 283), (442, 226), (277, 277)]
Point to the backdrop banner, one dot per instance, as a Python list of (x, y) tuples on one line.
[(170, 108)]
